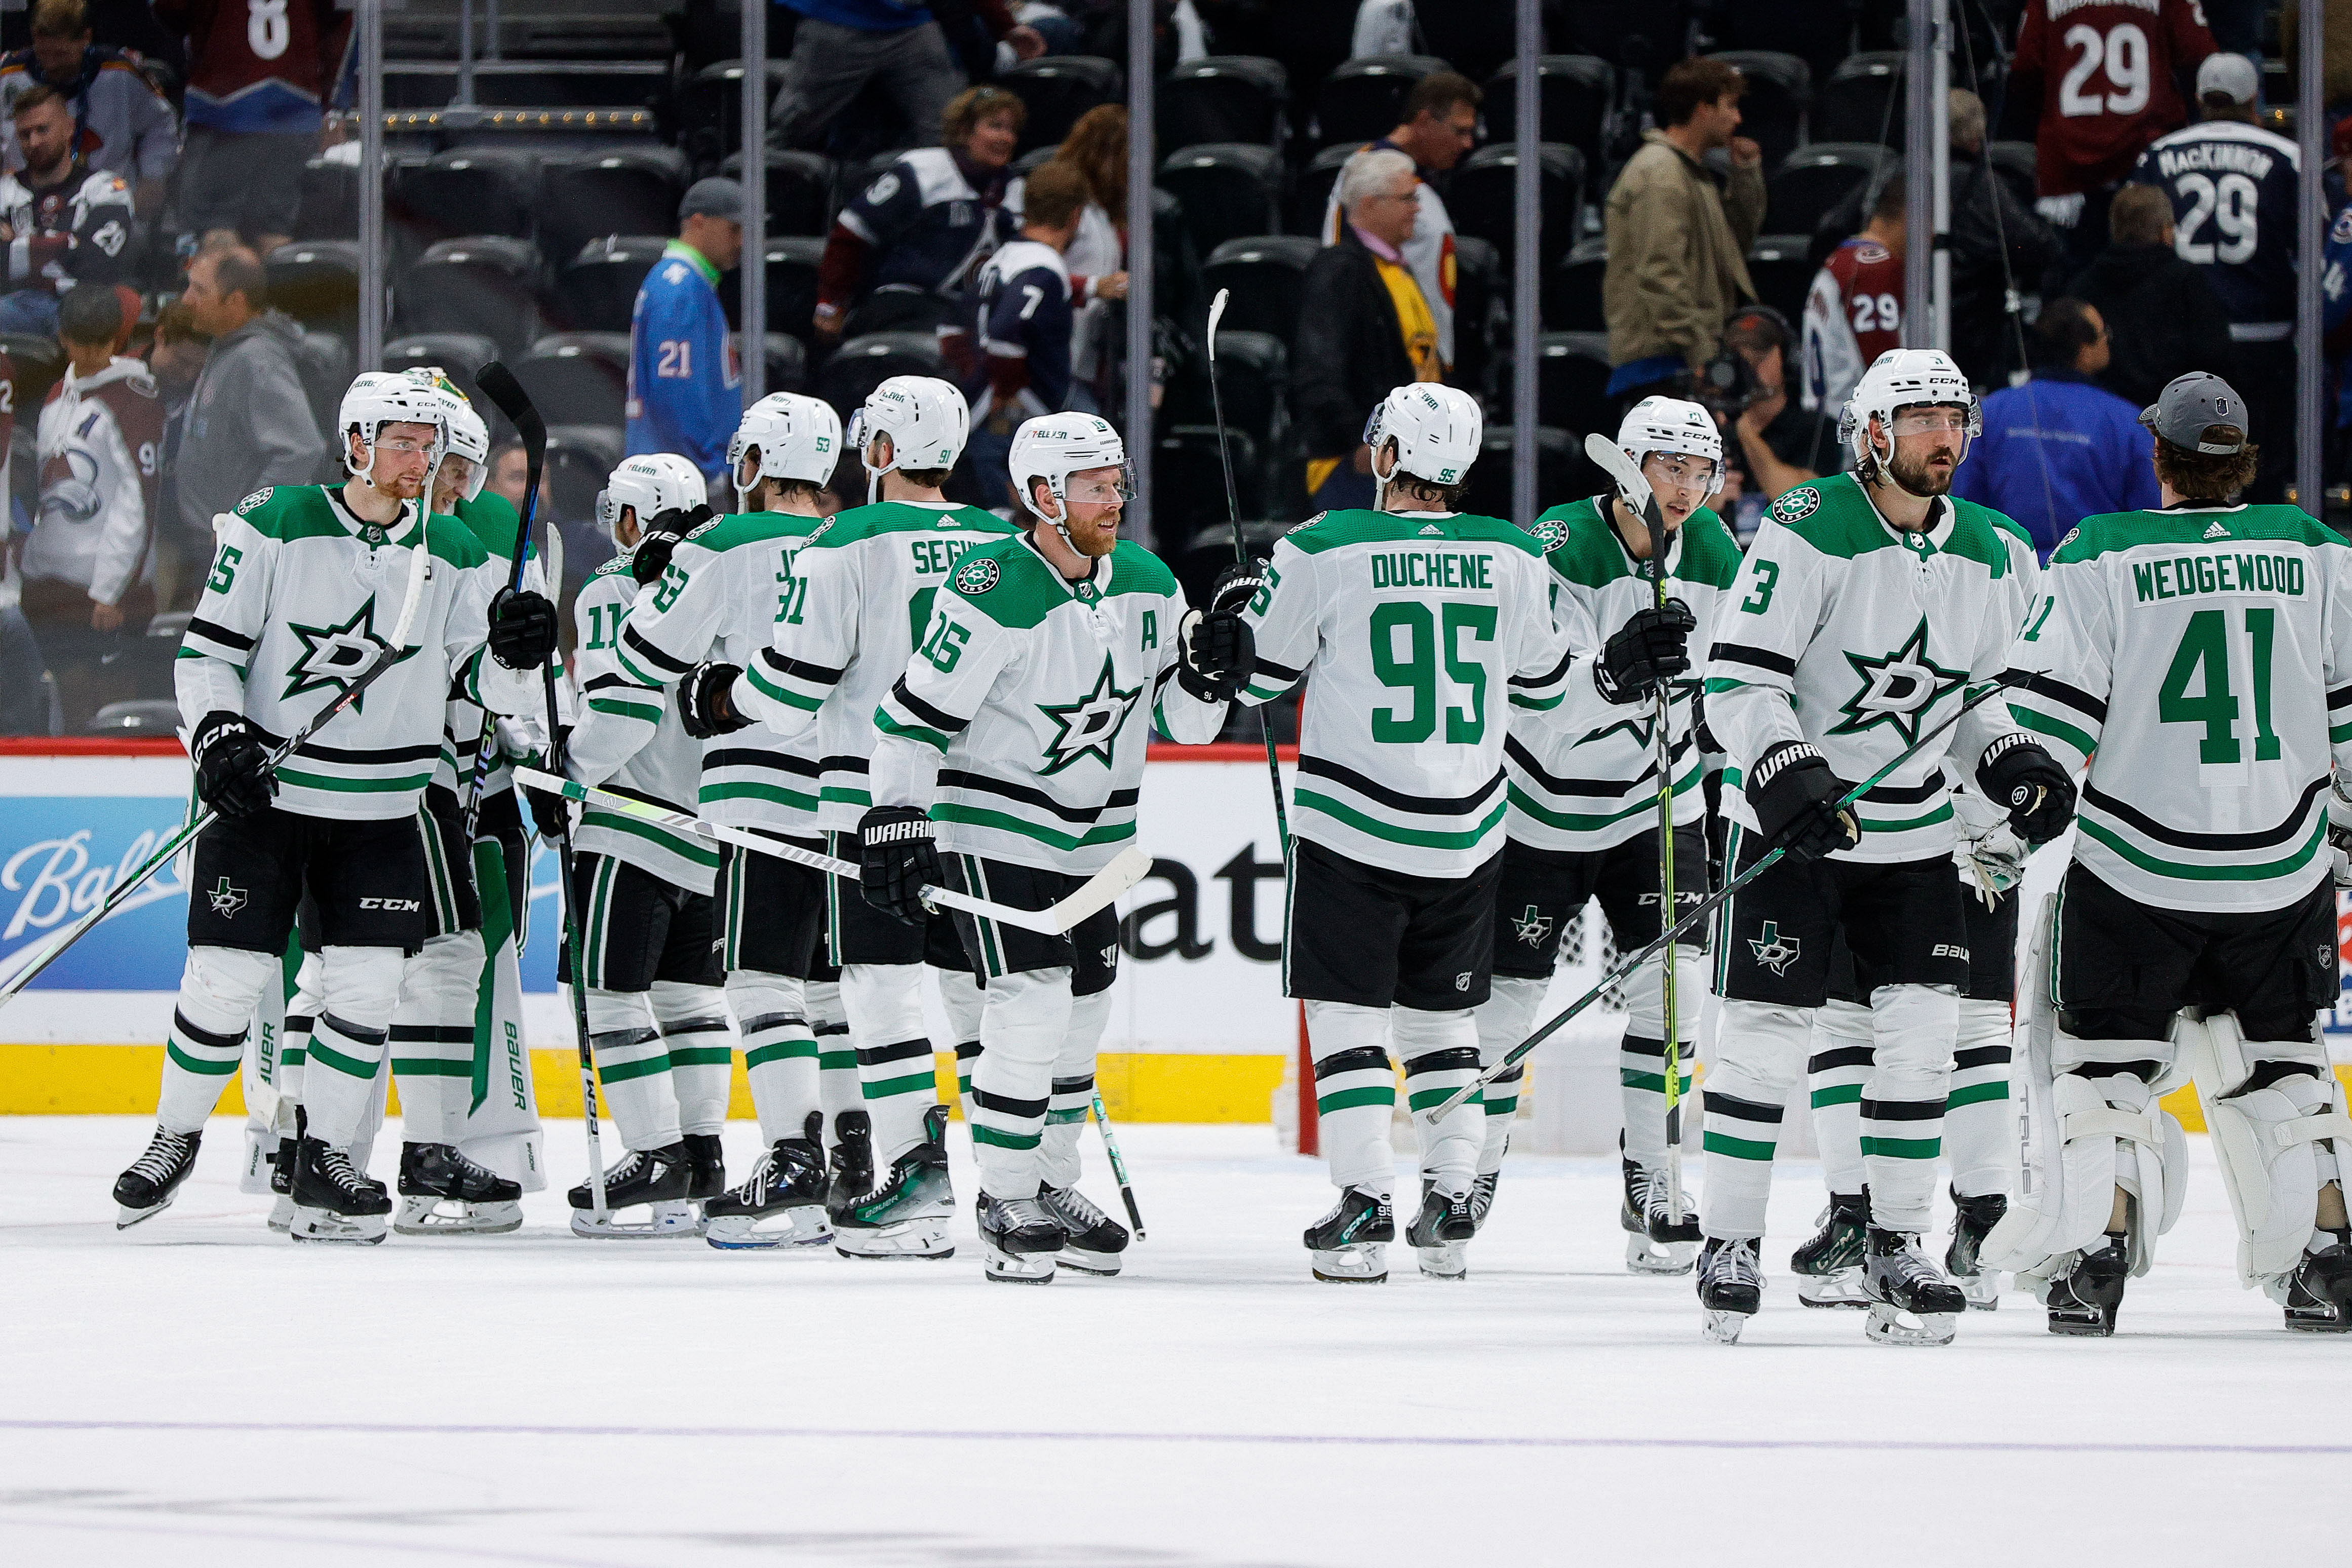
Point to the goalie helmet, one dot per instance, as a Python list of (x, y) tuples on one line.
[(650, 484), (926, 418), (1673, 426), (1436, 429), (796, 438), (1053, 447), (463, 433), (377, 398), (1905, 378)]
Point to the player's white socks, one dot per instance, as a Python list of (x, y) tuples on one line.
[(433, 1038), (634, 1067), (836, 1063), (1759, 1056), (700, 1039), (1022, 1029), (1355, 1093), (347, 1043), (301, 1020), (961, 996), (1979, 1132), (1440, 1052), (1839, 1066), (779, 1055), (885, 1002), (1074, 1089), (1505, 1018), (1641, 1054), (219, 988), (1913, 1028)]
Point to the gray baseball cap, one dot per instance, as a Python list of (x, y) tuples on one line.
[(713, 197), (2233, 76), (2186, 412)]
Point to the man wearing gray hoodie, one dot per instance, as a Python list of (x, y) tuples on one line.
[(249, 423)]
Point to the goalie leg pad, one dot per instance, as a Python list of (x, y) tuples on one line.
[(2281, 1132), (1760, 1058), (1355, 1092), (1836, 1072), (2088, 1133)]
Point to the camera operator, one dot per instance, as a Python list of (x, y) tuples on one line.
[(1771, 443)]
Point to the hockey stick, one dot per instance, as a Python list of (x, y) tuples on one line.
[(1241, 558), (498, 383), (1707, 906), (1117, 1166), (1127, 869), (420, 568)]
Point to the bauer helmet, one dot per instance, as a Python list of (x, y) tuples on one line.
[(650, 484), (1436, 429), (926, 418), (377, 398), (1052, 448), (1905, 378), (463, 432), (797, 438), (1671, 425)]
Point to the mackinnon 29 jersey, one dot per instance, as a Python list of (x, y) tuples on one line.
[(1417, 633), (1034, 697), (1860, 638), (2199, 660)]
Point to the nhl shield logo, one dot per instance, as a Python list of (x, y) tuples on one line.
[(227, 901), (1532, 927), (1773, 951)]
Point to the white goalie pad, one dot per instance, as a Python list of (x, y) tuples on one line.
[(2276, 1146)]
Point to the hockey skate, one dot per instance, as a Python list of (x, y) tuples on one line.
[(1829, 1267), (1440, 1234), (1349, 1245), (1482, 1197), (1019, 1238), (1911, 1304), (281, 1183), (906, 1216), (852, 1161), (2084, 1300), (1730, 1289), (146, 1189), (782, 1205), (1655, 1243), (332, 1201), (656, 1180), (2319, 1292), (1972, 1221), (1095, 1241), (706, 1161), (442, 1193)]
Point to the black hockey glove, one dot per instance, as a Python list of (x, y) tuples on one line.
[(1235, 586), (550, 814), (895, 860), (661, 536), (522, 629), (1795, 797), (233, 775), (1219, 650), (2025, 781), (706, 702), (1653, 645)]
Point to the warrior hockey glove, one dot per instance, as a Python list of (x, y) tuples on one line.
[(550, 814), (1236, 585), (661, 536), (522, 629), (1653, 647), (706, 702), (2027, 782), (232, 773), (1219, 650), (1795, 797), (895, 860)]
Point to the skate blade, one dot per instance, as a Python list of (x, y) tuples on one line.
[(1643, 1255), (673, 1219), (341, 1230), (925, 1238), (1983, 1290), (124, 1219), (2314, 1323), (454, 1217), (1360, 1263), (281, 1214), (793, 1228), (1889, 1325), (2099, 1327), (1015, 1267), (1085, 1261), (1719, 1327), (1447, 1261), (1842, 1288)]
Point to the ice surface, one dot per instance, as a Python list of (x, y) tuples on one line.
[(198, 1391)]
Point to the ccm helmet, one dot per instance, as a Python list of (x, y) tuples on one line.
[(796, 438), (650, 484), (377, 398), (1905, 378), (1673, 426), (1436, 429), (926, 418)]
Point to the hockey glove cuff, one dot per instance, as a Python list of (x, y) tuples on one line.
[(550, 814), (661, 536), (2339, 837), (1795, 797), (895, 860), (1653, 645), (232, 773), (2025, 781), (706, 702), (1219, 651), (522, 629), (1236, 585)]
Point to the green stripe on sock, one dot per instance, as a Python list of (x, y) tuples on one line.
[(781, 1050), (1005, 1140), (1737, 1148), (837, 1061), (894, 1086), (1838, 1094), (1903, 1148), (1348, 1098), (322, 1052), (622, 1072), (701, 1056), (209, 1070), (1064, 1118), (1976, 1094), (1422, 1099), (431, 1066), (1656, 1082)]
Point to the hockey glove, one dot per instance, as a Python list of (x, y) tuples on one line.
[(706, 702), (661, 536), (550, 814), (522, 629), (232, 773), (1795, 798), (1219, 650), (1235, 586), (895, 861), (2027, 782), (1654, 645)]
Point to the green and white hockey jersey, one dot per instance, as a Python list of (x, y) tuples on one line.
[(493, 520), (728, 583), (302, 596), (1584, 776), (630, 740), (1859, 636), (1417, 633), (2200, 660), (1022, 698), (866, 583)]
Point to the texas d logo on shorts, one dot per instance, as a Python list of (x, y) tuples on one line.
[(1772, 951)]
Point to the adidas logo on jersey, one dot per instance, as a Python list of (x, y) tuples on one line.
[(2215, 530), (1430, 531)]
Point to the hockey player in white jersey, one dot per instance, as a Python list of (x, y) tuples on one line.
[(2199, 661), (307, 583), (1867, 602), (1016, 734), (867, 581), (1582, 781)]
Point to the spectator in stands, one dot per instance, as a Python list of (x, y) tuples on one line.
[(249, 422), (75, 224), (2163, 319), (112, 104), (90, 566), (510, 474), (1012, 351), (261, 77), (841, 44), (1996, 243), (684, 381), (1096, 149), (1677, 237), (1364, 328), (922, 228), (1854, 312), (1440, 125), (2061, 447), (1771, 441), (184, 546)]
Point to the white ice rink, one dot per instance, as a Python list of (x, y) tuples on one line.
[(198, 1391)]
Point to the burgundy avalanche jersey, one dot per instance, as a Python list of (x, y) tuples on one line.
[(2105, 73)]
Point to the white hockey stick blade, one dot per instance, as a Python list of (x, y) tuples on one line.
[(1216, 314), (1128, 867), (1611, 459)]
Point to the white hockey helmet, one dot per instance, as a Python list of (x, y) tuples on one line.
[(1053, 447), (1905, 378), (928, 422), (377, 398), (463, 432), (1675, 425), (797, 438), (651, 483), (1436, 429)]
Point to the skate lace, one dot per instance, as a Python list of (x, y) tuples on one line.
[(1909, 1267), (1734, 1262), (1018, 1213), (754, 1190), (631, 1163), (161, 1155), (1075, 1210), (336, 1166)]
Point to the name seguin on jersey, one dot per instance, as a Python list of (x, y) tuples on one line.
[(2185, 576), (1432, 569)]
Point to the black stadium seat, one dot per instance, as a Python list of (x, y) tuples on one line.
[(1267, 275), (1482, 200), (597, 290), (1058, 88), (1861, 101), (1573, 380), (580, 459), (1782, 271), (1188, 480), (458, 357), (1618, 30), (1365, 98), (631, 190), (792, 271), (317, 282), (1815, 178), (484, 283), (1577, 93), (460, 193), (331, 200), (1229, 190), (1779, 91), (710, 109), (1315, 182), (787, 361), (861, 365), (1221, 98), (1254, 378), (578, 378), (1563, 471), (1481, 296), (1571, 300), (799, 190)]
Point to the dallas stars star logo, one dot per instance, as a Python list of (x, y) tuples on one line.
[(1532, 927), (1771, 950), (1898, 689), (1090, 726), (227, 899), (334, 655)]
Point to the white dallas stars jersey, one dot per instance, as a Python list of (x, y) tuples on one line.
[(1584, 776), (1417, 633), (1858, 636), (726, 584), (494, 521), (302, 596), (1029, 693), (866, 583), (2200, 660)]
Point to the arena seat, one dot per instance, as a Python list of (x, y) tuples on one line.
[(1861, 101), (1573, 287), (799, 188), (631, 190), (596, 290), (1579, 91), (1365, 98), (1773, 109), (578, 378), (1267, 275), (1572, 382), (1815, 178), (1058, 88), (1221, 98), (1229, 190), (863, 363), (1482, 199), (483, 283)]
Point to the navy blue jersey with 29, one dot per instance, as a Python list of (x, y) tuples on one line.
[(2234, 191)]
